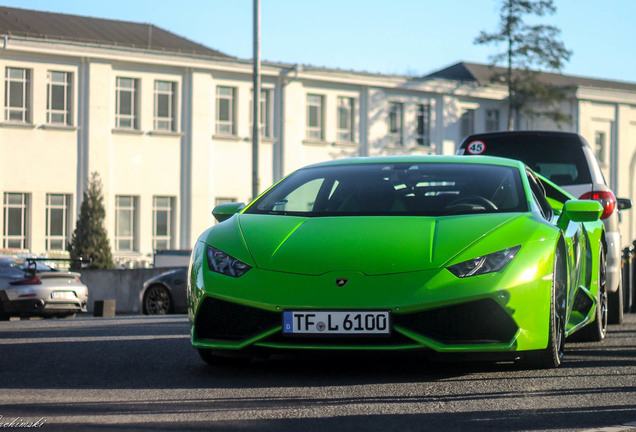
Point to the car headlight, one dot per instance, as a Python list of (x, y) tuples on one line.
[(484, 264), (220, 262)]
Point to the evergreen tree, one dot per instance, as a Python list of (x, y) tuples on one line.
[(528, 49), (89, 240)]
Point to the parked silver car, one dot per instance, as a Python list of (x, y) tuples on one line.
[(165, 293), (566, 159), (31, 288)]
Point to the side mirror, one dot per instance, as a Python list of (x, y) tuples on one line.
[(580, 211), (623, 203), (223, 212)]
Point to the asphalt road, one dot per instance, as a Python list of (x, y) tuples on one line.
[(140, 374)]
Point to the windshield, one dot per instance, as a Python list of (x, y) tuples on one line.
[(396, 189)]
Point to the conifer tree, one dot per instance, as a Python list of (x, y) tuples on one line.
[(90, 240), (528, 49)]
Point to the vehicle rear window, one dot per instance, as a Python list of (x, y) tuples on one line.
[(559, 158), (396, 189)]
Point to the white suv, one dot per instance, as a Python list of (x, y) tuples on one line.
[(566, 159)]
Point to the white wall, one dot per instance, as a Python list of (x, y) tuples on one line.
[(196, 166)]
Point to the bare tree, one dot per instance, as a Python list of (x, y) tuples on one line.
[(527, 50)]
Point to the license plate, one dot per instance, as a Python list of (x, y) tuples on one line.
[(63, 295), (336, 322)]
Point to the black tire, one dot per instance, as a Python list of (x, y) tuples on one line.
[(157, 301), (597, 329), (552, 356), (615, 306), (4, 316)]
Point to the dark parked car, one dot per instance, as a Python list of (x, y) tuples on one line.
[(165, 293), (566, 159)]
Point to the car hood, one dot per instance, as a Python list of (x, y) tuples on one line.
[(371, 245)]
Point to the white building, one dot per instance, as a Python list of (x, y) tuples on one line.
[(167, 125)]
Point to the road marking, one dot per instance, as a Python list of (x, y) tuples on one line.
[(89, 339), (625, 427)]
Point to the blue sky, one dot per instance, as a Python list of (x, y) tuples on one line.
[(411, 37)]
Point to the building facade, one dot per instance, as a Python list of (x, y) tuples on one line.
[(167, 126)]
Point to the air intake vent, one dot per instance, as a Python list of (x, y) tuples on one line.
[(218, 319), (477, 322)]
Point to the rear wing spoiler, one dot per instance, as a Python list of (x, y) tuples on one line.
[(32, 266)]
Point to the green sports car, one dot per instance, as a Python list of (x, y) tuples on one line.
[(441, 254)]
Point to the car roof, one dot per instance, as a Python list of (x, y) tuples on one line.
[(481, 160), (525, 133)]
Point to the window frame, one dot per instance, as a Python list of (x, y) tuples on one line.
[(395, 118), (24, 207), (423, 125), (346, 111), (165, 123), (132, 224), (122, 119), (66, 228), (232, 121), (467, 122), (315, 132), (169, 208), (265, 112), (600, 150), (23, 110), (492, 124), (67, 86)]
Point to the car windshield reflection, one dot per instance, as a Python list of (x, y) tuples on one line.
[(396, 189)]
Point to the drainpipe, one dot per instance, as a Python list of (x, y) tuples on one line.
[(284, 78), (185, 191), (83, 117), (614, 152), (279, 145), (364, 122)]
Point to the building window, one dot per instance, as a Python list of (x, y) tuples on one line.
[(57, 221), (315, 117), (345, 119), (265, 114), (125, 223), (17, 95), (467, 122), (127, 115), (396, 123), (600, 147), (165, 112), (225, 110), (492, 120), (162, 222), (58, 98), (423, 132), (16, 216)]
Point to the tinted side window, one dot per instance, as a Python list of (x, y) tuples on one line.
[(538, 193)]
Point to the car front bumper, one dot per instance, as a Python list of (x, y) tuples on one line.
[(431, 310)]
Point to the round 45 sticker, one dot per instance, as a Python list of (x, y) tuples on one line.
[(476, 147)]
